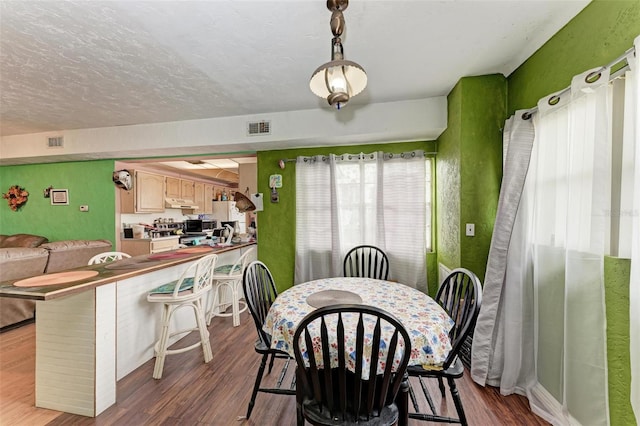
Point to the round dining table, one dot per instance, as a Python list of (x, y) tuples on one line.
[(425, 320)]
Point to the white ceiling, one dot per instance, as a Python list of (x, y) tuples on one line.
[(88, 64)]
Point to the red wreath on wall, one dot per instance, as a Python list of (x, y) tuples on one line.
[(16, 196)]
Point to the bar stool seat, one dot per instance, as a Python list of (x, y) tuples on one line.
[(189, 290), (227, 281)]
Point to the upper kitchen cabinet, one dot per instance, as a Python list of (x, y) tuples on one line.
[(183, 189), (173, 187), (187, 189), (147, 195), (203, 196), (209, 193)]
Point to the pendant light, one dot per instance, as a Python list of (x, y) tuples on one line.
[(339, 80)]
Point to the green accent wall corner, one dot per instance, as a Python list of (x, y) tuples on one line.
[(89, 183), (617, 275), (469, 171)]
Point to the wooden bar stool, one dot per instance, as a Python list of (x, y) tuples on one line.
[(189, 290), (227, 279)]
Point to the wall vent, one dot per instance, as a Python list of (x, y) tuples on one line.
[(55, 142), (259, 128)]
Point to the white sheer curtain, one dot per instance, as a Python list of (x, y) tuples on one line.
[(571, 231), (632, 174), (351, 199), (542, 330)]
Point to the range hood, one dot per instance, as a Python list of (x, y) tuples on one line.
[(179, 203)]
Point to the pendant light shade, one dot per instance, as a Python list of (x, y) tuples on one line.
[(339, 80)]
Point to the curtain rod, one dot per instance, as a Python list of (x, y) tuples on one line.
[(282, 162), (590, 78)]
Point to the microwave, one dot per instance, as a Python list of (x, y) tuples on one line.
[(199, 225)]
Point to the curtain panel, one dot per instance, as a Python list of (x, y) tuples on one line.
[(346, 200), (542, 327)]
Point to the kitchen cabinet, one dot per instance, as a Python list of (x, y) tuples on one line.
[(147, 195), (203, 197), (226, 211), (198, 196), (187, 189), (137, 247), (172, 187), (207, 206)]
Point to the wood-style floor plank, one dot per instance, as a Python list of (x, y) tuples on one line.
[(194, 393)]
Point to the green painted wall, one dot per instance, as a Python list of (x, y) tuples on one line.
[(88, 182), (448, 183), (599, 34), (604, 30), (277, 223), (483, 114), (469, 171), (617, 274)]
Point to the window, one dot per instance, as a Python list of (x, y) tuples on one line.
[(348, 200)]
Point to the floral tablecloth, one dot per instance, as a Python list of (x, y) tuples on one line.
[(426, 322)]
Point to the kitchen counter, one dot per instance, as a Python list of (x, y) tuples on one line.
[(94, 331), (107, 274)]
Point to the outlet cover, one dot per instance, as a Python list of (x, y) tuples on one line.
[(470, 230)]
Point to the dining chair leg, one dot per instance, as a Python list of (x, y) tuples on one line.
[(402, 400), (427, 395), (441, 386), (457, 401), (256, 386), (273, 358), (299, 414)]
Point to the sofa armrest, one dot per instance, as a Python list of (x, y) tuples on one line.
[(20, 262), (71, 254), (22, 240)]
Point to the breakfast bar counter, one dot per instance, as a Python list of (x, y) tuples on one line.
[(107, 273), (94, 325)]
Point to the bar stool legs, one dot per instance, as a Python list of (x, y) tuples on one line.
[(233, 288), (161, 345)]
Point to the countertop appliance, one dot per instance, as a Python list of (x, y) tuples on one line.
[(198, 226), (164, 229)]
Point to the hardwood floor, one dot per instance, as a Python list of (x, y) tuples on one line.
[(194, 393)]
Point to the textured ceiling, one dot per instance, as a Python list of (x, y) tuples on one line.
[(87, 64)]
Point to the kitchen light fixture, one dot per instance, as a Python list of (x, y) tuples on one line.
[(339, 80)]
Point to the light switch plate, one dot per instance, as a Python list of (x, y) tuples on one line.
[(470, 230), (84, 208)]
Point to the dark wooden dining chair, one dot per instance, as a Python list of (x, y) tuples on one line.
[(460, 294), (260, 292), (366, 261), (347, 392)]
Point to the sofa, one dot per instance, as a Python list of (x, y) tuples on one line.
[(26, 255)]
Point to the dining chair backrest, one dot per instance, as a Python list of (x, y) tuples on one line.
[(364, 378), (106, 257), (460, 294), (259, 293), (366, 261)]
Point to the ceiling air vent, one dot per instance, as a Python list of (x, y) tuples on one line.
[(259, 128), (55, 142)]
